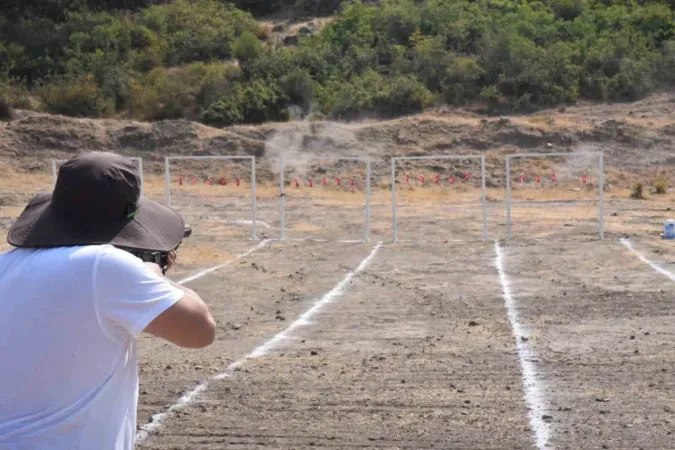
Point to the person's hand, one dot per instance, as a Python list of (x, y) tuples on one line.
[(171, 259)]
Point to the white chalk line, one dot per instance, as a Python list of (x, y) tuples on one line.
[(534, 396), (629, 245), (261, 350), (226, 263), (341, 241), (249, 223)]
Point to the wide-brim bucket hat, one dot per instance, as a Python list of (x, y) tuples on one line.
[(97, 200)]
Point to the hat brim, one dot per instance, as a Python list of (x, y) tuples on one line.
[(154, 227)]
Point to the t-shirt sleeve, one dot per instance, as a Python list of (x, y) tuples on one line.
[(129, 294)]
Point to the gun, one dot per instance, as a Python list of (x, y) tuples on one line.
[(159, 258)]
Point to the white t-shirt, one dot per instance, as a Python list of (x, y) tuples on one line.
[(68, 362)]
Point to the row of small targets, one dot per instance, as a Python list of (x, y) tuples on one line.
[(337, 181), (219, 181), (437, 179), (538, 179)]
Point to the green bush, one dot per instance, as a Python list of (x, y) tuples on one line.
[(372, 93), (386, 58), (667, 63), (200, 30), (637, 191), (403, 95), (567, 9), (661, 186), (298, 88), (5, 110), (184, 93), (253, 102), (461, 81), (79, 97), (300, 8), (247, 48)]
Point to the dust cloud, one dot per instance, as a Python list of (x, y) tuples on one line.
[(310, 147)]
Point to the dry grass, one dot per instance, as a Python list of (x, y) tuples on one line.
[(265, 31), (637, 191), (201, 255), (13, 181), (418, 205), (554, 122), (653, 123)]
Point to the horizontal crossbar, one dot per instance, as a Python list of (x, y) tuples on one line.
[(534, 155), (402, 158), (169, 158)]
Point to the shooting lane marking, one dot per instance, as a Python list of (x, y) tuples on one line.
[(220, 266), (249, 222), (534, 396), (629, 245), (262, 350)]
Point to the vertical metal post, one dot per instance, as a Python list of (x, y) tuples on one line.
[(282, 194), (253, 199), (601, 199), (483, 196), (366, 236), (140, 172), (54, 173), (393, 198), (167, 182), (508, 196)]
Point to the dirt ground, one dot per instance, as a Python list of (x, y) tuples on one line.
[(418, 352)]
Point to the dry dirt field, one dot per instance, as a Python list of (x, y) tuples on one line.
[(420, 347), (554, 339)]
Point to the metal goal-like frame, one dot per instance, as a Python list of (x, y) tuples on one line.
[(282, 191), (395, 160), (601, 183), (55, 171), (167, 180)]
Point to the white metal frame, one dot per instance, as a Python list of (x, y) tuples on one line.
[(167, 180), (282, 191), (601, 183), (55, 171), (395, 160)]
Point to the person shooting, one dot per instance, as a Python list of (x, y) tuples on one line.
[(85, 279)]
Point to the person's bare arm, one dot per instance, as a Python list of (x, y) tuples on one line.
[(188, 323)]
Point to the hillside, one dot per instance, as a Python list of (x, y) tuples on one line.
[(637, 138), (255, 61)]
